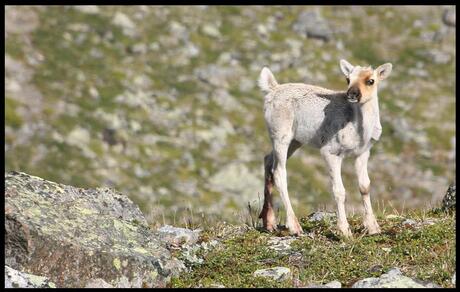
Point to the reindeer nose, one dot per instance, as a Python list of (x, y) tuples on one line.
[(354, 93)]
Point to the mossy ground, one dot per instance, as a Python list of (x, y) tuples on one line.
[(87, 51), (426, 253)]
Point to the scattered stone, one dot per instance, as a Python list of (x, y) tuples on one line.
[(179, 29), (97, 230), (191, 50), (453, 279), (277, 273), (416, 224), (17, 279), (391, 279), (438, 56), (393, 217), (78, 136), (376, 269), (140, 48), (448, 202), (313, 25), (122, 20), (297, 259), (209, 245), (189, 256), (216, 75), (281, 245), (216, 286), (211, 30), (320, 216), (409, 222), (98, 283), (20, 20), (429, 221), (178, 236), (333, 284), (238, 180), (448, 16), (418, 72), (90, 9), (427, 284)]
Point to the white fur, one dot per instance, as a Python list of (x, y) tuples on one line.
[(267, 81), (297, 114), (346, 67), (384, 70)]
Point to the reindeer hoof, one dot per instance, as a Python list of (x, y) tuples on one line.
[(270, 228), (295, 229), (346, 232), (374, 230), (372, 226)]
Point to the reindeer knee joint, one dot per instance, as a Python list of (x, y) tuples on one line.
[(364, 189)]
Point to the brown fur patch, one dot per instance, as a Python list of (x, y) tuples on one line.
[(363, 76)]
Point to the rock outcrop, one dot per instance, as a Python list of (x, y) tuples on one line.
[(73, 236), (277, 273), (392, 279), (313, 25), (333, 284), (17, 279), (448, 202), (448, 16)]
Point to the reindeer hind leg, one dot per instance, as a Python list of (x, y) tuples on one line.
[(267, 214)]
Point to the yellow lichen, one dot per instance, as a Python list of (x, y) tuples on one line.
[(117, 263)]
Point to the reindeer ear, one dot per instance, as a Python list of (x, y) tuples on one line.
[(383, 71), (346, 67)]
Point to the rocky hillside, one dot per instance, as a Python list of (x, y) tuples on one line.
[(161, 102), (75, 236), (62, 236)]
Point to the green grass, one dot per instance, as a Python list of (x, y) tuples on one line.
[(11, 117), (426, 253), (65, 60)]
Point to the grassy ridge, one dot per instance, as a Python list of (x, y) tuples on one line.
[(427, 253), (176, 131)]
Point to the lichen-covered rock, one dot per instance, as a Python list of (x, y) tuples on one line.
[(98, 283), (282, 245), (391, 279), (312, 24), (448, 17), (17, 279), (319, 216), (409, 222), (277, 273), (333, 284), (72, 235), (216, 286), (178, 236), (448, 202)]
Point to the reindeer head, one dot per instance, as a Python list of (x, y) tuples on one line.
[(363, 81)]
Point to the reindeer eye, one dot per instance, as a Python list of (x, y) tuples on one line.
[(370, 82), (348, 80)]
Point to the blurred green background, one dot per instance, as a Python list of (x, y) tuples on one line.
[(161, 102)]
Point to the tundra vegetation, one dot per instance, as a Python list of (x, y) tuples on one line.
[(162, 103), (100, 238)]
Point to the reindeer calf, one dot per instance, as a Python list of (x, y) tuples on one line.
[(338, 123)]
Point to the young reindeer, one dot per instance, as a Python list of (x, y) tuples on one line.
[(338, 123)]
